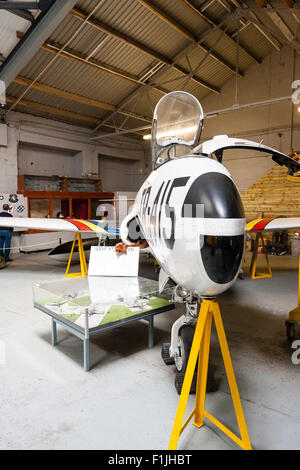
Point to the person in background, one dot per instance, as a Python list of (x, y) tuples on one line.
[(60, 215), (5, 234)]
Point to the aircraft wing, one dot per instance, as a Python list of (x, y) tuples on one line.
[(273, 225), (58, 225)]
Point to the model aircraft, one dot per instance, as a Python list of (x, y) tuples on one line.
[(189, 211)]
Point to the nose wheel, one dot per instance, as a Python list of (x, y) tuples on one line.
[(185, 339)]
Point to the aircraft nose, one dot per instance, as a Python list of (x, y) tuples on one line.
[(217, 194), (222, 242)]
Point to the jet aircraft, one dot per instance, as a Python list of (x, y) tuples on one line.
[(189, 211)]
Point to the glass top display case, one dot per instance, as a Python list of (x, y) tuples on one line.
[(94, 303)]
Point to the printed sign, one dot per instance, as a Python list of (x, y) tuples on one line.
[(105, 262)]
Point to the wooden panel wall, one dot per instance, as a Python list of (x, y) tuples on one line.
[(272, 196)]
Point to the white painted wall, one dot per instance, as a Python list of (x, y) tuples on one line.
[(41, 146), (119, 174), (39, 160), (9, 162)]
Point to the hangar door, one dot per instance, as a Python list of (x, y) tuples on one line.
[(119, 174)]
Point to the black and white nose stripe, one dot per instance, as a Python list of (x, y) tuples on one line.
[(214, 201)]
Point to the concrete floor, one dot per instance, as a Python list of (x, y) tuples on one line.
[(128, 399)]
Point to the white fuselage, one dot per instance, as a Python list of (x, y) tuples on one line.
[(191, 215)]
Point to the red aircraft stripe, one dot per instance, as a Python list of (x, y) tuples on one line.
[(261, 225), (80, 225)]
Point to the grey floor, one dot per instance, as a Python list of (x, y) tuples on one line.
[(128, 399)]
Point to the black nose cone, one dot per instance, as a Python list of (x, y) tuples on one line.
[(222, 256), (218, 196)]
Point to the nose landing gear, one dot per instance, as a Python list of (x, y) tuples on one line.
[(178, 351)]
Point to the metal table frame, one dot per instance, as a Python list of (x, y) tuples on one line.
[(85, 334)]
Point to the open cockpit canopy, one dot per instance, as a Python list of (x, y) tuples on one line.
[(177, 122)]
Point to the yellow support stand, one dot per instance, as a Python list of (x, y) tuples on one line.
[(83, 265), (294, 315), (253, 273), (200, 348)]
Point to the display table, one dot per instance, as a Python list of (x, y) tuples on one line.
[(87, 306)]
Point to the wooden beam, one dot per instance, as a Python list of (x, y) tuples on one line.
[(63, 94), (289, 3), (140, 47), (261, 3), (67, 54), (74, 55), (63, 113), (278, 21), (77, 98), (111, 70), (181, 29), (52, 110)]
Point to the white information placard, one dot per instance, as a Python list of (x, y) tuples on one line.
[(105, 262)]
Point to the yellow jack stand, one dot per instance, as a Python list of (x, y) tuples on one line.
[(83, 265), (253, 273), (294, 315), (200, 347)]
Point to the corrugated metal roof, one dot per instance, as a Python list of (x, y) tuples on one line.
[(210, 70), (183, 16), (256, 42), (227, 49), (133, 20), (67, 74)]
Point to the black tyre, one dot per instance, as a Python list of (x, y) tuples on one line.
[(165, 354), (185, 339), (186, 336), (179, 378)]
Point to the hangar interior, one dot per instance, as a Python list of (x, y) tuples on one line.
[(79, 82)]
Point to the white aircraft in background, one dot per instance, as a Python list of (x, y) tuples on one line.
[(189, 212)]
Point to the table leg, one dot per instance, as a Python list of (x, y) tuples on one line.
[(151, 332), (86, 354), (54, 332)]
